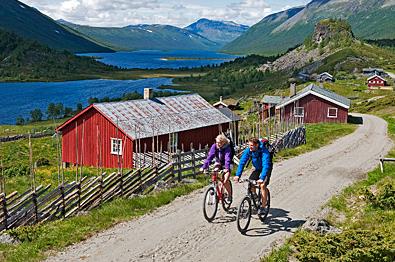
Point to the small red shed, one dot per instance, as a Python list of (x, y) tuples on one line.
[(108, 134), (315, 104), (376, 81)]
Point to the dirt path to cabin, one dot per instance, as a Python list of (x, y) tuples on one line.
[(299, 187)]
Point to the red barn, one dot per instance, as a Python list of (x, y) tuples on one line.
[(376, 81), (315, 104), (108, 134)]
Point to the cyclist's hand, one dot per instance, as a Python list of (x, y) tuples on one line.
[(201, 169), (260, 181), (236, 179), (226, 171)]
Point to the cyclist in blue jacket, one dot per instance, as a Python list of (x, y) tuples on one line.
[(260, 156)]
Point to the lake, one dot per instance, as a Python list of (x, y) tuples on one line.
[(154, 59), (18, 99)]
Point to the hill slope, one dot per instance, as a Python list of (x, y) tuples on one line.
[(370, 19), (136, 37), (333, 48), (22, 60), (221, 32), (29, 23)]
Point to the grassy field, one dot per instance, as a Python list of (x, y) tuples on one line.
[(39, 241), (317, 135), (364, 211)]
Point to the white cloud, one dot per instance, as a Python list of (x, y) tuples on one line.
[(126, 12)]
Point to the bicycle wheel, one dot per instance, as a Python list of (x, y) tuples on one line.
[(262, 216), (210, 204), (244, 214), (226, 203)]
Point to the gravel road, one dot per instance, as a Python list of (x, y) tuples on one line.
[(299, 187)]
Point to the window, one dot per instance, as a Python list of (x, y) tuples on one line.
[(299, 112), (116, 146), (332, 112)]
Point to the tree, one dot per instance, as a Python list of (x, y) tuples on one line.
[(51, 111), (20, 121), (68, 111), (36, 115), (79, 108), (93, 100), (59, 110)]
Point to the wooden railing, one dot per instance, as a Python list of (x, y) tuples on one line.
[(42, 204)]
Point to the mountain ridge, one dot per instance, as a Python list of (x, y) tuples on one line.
[(29, 23)]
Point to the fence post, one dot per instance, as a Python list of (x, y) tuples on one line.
[(101, 189), (179, 165), (34, 200), (120, 183), (79, 195), (5, 212), (63, 201), (193, 162), (140, 179)]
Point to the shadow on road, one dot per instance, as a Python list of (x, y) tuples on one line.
[(228, 218), (277, 221)]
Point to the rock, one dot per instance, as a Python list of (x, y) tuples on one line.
[(7, 239), (320, 225), (162, 185), (188, 180)]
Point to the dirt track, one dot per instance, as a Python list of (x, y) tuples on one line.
[(299, 187)]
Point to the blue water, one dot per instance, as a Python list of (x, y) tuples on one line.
[(18, 99), (154, 59)]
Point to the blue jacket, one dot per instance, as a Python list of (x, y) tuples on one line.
[(260, 160)]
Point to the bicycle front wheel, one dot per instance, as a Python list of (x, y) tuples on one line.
[(210, 204), (244, 215)]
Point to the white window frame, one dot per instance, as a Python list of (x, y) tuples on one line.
[(295, 110), (173, 142), (113, 143), (331, 108)]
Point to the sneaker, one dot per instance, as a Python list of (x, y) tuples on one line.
[(262, 210)]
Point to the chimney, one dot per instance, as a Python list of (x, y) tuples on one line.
[(292, 89), (148, 93), (220, 98)]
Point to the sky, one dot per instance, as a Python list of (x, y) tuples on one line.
[(173, 12)]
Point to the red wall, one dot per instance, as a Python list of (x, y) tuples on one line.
[(316, 110), (378, 82), (203, 136), (89, 155)]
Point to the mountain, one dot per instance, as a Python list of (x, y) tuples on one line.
[(27, 60), (370, 19), (29, 23), (136, 37), (332, 48), (221, 32)]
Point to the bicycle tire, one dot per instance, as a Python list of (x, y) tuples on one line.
[(263, 217), (210, 194), (244, 212), (225, 203)]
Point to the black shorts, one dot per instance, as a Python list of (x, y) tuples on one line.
[(256, 173)]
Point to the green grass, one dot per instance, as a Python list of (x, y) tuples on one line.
[(363, 211), (318, 135), (9, 130), (39, 240)]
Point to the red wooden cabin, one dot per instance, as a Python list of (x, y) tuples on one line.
[(376, 81), (315, 104), (108, 134)]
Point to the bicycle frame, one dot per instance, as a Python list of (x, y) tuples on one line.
[(219, 187)]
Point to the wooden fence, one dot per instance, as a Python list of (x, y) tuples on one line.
[(43, 204)]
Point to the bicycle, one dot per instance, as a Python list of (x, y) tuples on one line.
[(244, 211), (214, 194)]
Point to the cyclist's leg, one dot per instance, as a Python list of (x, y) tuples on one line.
[(227, 184), (255, 176), (263, 190)]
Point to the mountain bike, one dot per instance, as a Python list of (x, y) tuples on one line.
[(214, 194), (250, 201)]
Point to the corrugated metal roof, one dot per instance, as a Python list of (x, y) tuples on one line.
[(319, 90), (272, 99), (229, 113), (164, 115)]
